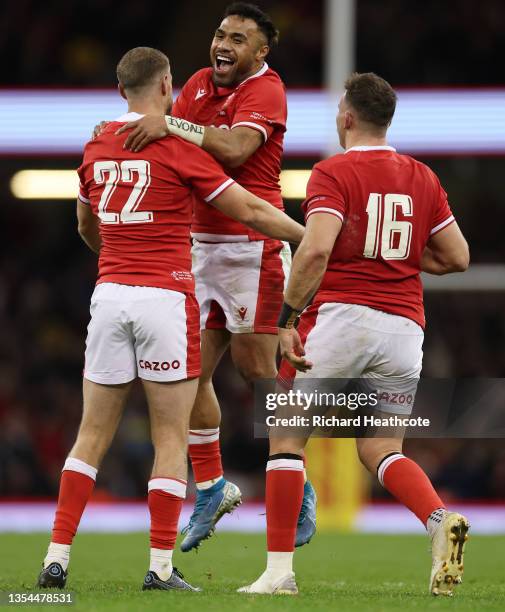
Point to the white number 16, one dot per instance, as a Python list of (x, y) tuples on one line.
[(378, 242)]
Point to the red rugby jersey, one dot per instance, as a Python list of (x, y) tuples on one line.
[(259, 103), (390, 205), (144, 203)]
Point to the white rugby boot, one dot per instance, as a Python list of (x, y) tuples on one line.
[(447, 551), (270, 583)]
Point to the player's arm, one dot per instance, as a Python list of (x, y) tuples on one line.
[(231, 147), (243, 206), (311, 259), (447, 251), (87, 226), (307, 271)]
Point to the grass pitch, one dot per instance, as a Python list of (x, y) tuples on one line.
[(341, 572)]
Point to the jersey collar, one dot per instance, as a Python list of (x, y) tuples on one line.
[(129, 117), (376, 148), (260, 72)]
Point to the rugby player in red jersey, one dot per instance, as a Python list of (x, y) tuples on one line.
[(240, 274), (375, 220), (135, 211)]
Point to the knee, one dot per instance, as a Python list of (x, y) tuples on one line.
[(252, 369), (287, 446), (372, 451)]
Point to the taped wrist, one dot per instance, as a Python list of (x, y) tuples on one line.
[(289, 316), (185, 129)]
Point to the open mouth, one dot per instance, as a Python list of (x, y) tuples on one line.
[(223, 64)]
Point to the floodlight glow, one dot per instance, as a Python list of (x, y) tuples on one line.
[(45, 184), (294, 183), (64, 184)]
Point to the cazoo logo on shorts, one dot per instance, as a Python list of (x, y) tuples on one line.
[(159, 366)]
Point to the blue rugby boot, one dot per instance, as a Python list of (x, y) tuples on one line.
[(211, 504), (306, 526)]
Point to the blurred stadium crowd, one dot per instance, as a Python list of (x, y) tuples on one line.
[(77, 43), (47, 275)]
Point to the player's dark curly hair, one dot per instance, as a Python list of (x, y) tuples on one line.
[(262, 20), (372, 97)]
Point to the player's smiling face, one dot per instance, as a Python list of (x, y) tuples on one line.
[(238, 50)]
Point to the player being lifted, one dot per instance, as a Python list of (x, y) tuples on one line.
[(135, 211), (240, 274), (375, 220)]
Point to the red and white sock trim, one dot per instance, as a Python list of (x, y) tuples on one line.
[(174, 486), (203, 436), (76, 465), (285, 464), (385, 463)]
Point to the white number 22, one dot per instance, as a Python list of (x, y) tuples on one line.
[(392, 230), (123, 173)]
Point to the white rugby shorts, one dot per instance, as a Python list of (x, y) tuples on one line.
[(143, 332), (240, 285), (350, 341)]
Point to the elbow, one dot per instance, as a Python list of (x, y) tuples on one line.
[(233, 160), (250, 217), (82, 229), (459, 262), (85, 230), (234, 156), (462, 260), (317, 256)]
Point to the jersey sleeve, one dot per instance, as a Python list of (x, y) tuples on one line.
[(262, 107), (83, 194), (200, 171), (442, 215), (324, 195)]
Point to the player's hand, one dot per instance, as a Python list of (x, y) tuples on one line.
[(292, 349), (98, 129), (143, 131)]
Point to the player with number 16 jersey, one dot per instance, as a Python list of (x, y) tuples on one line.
[(375, 220), (389, 205)]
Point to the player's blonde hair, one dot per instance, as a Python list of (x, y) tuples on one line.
[(140, 66)]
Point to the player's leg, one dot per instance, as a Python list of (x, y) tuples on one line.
[(204, 449), (215, 495), (254, 355), (410, 485), (102, 409), (170, 405), (284, 493), (165, 328), (395, 371), (109, 369)]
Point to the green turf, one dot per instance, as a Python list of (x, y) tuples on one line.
[(334, 572)]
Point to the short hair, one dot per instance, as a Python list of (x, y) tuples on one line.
[(371, 97), (140, 66), (261, 19)]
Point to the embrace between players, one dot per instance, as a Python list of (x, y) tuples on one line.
[(166, 312)]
